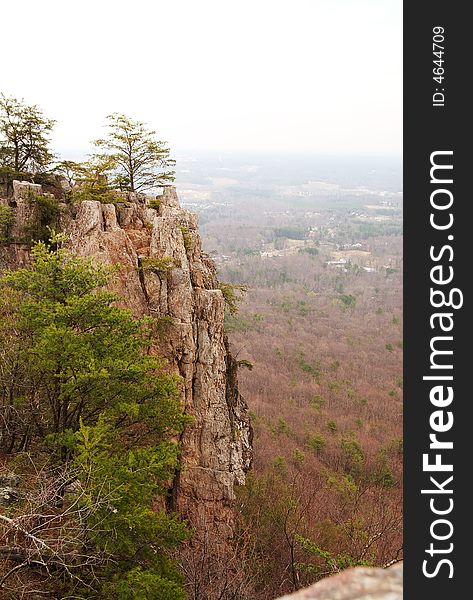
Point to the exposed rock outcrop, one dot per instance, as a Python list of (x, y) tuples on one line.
[(360, 583), (164, 273)]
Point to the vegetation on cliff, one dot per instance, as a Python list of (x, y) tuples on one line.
[(130, 157), (88, 419)]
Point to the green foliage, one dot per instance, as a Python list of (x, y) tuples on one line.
[(90, 180), (245, 364), (232, 294), (24, 137), (69, 172), (154, 203), (140, 161), (344, 485), (353, 454), (266, 499), (347, 301), (326, 561), (46, 215), (316, 442), (85, 396), (187, 236), (6, 220), (399, 446), (312, 368), (161, 265), (379, 229), (79, 350), (281, 427), (382, 474), (253, 416), (384, 477), (332, 427), (280, 466), (317, 402), (302, 308), (334, 385), (389, 347), (395, 448), (127, 527), (298, 456), (311, 251), (139, 584)]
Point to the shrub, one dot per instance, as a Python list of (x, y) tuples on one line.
[(187, 236), (347, 301), (88, 401), (154, 203), (281, 427), (332, 427), (298, 456), (312, 368), (245, 364), (161, 265), (6, 220), (140, 584), (316, 442), (317, 402), (48, 209), (326, 561), (353, 454), (232, 294)]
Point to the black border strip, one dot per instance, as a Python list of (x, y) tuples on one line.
[(429, 128)]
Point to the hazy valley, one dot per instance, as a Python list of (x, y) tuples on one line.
[(318, 242)]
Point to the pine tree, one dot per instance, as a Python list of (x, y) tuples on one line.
[(24, 137), (141, 161), (93, 419)]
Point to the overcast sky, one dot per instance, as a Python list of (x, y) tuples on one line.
[(321, 76)]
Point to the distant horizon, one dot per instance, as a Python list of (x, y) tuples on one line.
[(183, 152)]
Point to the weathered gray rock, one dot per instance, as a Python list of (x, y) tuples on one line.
[(186, 299), (360, 583), (9, 483), (188, 306)]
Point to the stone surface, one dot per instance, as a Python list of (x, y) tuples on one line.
[(9, 483), (360, 583), (187, 302)]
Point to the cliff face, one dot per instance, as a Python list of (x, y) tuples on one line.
[(164, 273)]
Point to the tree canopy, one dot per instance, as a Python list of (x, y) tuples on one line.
[(141, 161), (24, 136), (81, 393), (129, 158)]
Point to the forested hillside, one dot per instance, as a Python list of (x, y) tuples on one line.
[(318, 335)]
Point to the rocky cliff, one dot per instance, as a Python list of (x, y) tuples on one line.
[(360, 583), (164, 273)]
